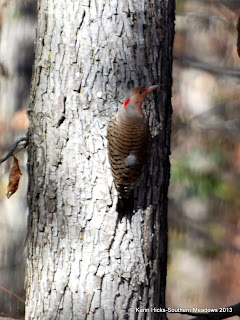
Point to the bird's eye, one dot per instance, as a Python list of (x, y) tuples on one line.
[(140, 92)]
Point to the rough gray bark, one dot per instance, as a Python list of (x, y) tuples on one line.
[(82, 262)]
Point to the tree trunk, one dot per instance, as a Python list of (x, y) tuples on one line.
[(83, 263)]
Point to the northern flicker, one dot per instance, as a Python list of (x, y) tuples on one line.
[(128, 142)]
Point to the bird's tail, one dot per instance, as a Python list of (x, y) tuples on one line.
[(125, 204)]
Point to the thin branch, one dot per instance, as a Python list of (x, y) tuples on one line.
[(197, 64), (233, 310), (12, 294), (9, 316), (11, 152), (224, 2), (177, 217)]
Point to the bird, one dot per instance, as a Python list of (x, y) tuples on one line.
[(129, 137)]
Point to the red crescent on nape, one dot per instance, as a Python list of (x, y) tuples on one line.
[(125, 103)]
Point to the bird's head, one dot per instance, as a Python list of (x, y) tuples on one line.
[(134, 99)]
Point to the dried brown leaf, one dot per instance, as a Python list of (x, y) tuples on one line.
[(3, 71), (14, 177)]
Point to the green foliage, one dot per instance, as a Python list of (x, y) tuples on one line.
[(179, 6), (209, 250), (200, 175), (212, 246)]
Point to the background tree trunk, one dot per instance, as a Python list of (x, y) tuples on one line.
[(82, 262)]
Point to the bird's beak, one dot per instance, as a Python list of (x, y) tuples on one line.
[(151, 88)]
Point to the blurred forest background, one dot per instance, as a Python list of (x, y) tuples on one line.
[(17, 36), (204, 202)]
